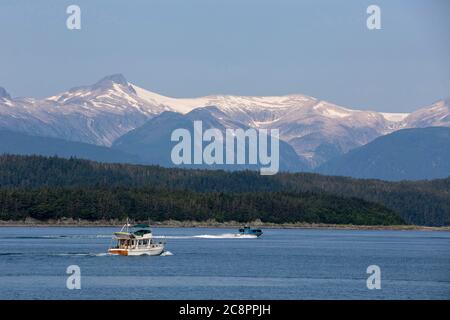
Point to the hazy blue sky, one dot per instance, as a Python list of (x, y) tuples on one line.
[(186, 48)]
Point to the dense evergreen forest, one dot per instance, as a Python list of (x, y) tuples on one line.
[(46, 188), (142, 203)]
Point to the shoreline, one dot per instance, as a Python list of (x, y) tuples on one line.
[(214, 224)]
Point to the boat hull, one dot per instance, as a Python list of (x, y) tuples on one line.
[(255, 234), (245, 235), (156, 251)]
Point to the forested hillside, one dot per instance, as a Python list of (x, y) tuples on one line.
[(283, 197), (144, 203)]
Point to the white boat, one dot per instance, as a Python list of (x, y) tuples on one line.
[(136, 242)]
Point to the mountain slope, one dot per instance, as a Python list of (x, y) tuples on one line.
[(436, 115), (20, 143), (316, 129), (96, 114), (411, 154), (101, 113), (152, 141)]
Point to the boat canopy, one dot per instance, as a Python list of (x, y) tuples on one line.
[(141, 232)]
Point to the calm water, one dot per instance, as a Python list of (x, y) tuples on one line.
[(282, 264)]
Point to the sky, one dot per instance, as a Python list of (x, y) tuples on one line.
[(189, 48)]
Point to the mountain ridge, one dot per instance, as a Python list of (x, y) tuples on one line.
[(103, 112), (23, 144), (407, 154), (152, 141)]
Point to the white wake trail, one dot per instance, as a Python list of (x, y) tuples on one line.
[(226, 236)]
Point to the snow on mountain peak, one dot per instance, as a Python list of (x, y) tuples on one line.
[(104, 111), (394, 117), (225, 102), (436, 115), (330, 110)]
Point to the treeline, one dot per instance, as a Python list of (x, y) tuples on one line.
[(142, 203), (419, 202)]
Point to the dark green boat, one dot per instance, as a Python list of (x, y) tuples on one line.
[(246, 230)]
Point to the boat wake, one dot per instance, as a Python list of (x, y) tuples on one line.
[(99, 236), (172, 237), (101, 254), (50, 237), (211, 236), (61, 254), (81, 254), (226, 236), (35, 237)]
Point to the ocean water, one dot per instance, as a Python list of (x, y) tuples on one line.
[(202, 263)]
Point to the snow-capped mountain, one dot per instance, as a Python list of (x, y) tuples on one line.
[(152, 141), (96, 114), (103, 112), (436, 115), (316, 129)]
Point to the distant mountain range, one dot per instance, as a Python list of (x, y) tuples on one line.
[(114, 112), (24, 144), (152, 141), (409, 154)]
